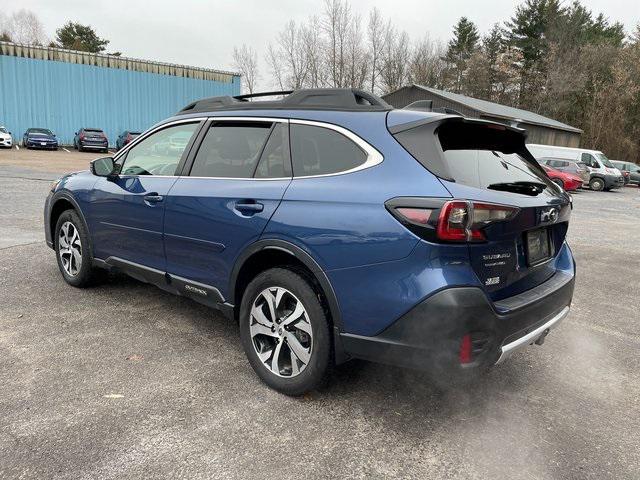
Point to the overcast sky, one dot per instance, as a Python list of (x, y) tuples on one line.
[(203, 33)]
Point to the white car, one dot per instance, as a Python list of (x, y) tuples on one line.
[(5, 138)]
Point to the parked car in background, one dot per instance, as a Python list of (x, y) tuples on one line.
[(632, 168), (574, 167), (91, 139), (125, 138), (40, 138), (603, 174), (6, 141), (567, 181), (331, 227)]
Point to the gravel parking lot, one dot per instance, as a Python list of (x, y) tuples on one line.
[(125, 381)]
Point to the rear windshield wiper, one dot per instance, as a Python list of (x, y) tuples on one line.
[(526, 188)]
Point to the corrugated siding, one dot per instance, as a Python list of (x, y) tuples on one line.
[(65, 96), (39, 52)]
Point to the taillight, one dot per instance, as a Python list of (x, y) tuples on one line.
[(448, 221), (463, 221), (129, 138), (82, 136)]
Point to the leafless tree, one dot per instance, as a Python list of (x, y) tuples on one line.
[(376, 36), (336, 23), (24, 26), (314, 48), (426, 65), (245, 60), (395, 60)]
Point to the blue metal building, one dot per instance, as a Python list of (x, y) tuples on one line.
[(64, 90)]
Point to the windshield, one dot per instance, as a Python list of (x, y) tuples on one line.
[(604, 160), (39, 131), (92, 130), (3, 130)]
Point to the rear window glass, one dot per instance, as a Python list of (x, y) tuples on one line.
[(92, 130), (477, 155)]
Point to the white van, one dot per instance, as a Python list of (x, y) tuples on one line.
[(604, 175)]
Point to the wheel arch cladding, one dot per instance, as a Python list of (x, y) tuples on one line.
[(266, 254)]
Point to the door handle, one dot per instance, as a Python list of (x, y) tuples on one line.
[(249, 207), (153, 198)]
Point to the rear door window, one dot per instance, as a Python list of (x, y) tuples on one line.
[(320, 151), (231, 150)]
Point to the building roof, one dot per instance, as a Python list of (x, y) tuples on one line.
[(500, 111), (39, 52)]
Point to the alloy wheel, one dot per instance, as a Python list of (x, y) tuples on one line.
[(70, 248), (281, 333)]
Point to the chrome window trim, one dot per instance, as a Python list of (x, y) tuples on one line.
[(374, 157)]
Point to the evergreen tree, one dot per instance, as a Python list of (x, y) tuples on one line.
[(460, 49), (80, 37)]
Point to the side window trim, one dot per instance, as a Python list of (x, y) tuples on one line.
[(374, 157)]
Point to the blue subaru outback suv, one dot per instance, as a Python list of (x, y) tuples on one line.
[(331, 226)]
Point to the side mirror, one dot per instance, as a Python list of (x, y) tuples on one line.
[(102, 167)]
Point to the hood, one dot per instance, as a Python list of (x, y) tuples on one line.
[(4, 135)]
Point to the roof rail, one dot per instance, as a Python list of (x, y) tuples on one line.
[(309, 99)]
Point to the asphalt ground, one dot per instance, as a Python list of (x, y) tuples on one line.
[(126, 381)]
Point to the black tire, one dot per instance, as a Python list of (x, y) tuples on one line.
[(320, 364), (87, 274), (596, 184), (80, 147)]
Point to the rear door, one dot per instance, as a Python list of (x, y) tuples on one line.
[(487, 164), (225, 197), (127, 211)]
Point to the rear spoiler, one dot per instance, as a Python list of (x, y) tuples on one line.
[(440, 119), (427, 106)]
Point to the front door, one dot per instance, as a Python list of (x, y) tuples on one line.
[(127, 212), (237, 180)]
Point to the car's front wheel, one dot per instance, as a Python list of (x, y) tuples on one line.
[(596, 184), (285, 332), (73, 250)]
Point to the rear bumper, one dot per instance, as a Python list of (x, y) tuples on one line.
[(96, 146), (429, 336)]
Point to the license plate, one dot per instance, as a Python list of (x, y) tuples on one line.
[(43, 143), (538, 246)]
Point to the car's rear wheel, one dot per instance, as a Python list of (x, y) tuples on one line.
[(73, 250), (285, 332), (596, 184), (79, 147)]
